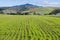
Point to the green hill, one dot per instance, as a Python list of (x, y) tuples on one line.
[(27, 9)]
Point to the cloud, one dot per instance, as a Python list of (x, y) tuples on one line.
[(55, 3), (50, 3)]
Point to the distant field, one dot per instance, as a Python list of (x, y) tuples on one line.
[(29, 27)]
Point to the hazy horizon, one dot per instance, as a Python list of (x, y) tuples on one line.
[(7, 3)]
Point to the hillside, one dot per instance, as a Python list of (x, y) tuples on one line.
[(27, 8)]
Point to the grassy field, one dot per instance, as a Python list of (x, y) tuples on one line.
[(29, 27)]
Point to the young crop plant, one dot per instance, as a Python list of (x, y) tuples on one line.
[(24, 27)]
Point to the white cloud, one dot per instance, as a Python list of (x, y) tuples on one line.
[(46, 2), (49, 3)]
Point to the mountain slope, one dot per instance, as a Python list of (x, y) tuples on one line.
[(23, 7), (27, 8)]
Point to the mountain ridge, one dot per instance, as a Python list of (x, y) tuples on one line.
[(26, 8), (19, 8)]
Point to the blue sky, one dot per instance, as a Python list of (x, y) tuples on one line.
[(35, 2)]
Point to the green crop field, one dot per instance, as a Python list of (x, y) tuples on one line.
[(19, 27)]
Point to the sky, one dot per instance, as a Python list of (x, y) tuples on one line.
[(4, 3)]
